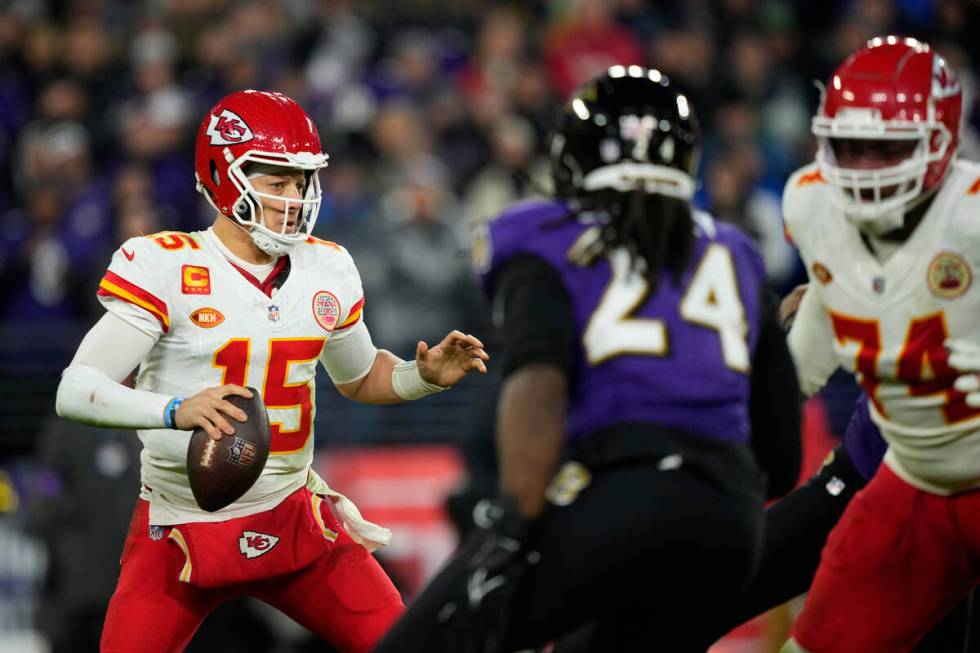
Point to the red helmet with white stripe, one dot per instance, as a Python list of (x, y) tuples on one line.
[(258, 127), (892, 89)]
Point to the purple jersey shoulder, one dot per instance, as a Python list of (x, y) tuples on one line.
[(546, 229), (540, 228), (742, 246)]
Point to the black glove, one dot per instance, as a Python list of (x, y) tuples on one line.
[(478, 617)]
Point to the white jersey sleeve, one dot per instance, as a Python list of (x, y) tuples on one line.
[(801, 193), (351, 358), (349, 353), (811, 340), (133, 289), (352, 299), (810, 343)]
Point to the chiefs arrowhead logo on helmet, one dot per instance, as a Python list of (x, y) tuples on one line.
[(944, 81), (227, 128), (277, 132)]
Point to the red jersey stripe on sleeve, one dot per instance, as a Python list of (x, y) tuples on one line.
[(354, 316), (115, 286)]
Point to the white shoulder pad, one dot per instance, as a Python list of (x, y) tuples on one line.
[(958, 202), (805, 192), (335, 262), (964, 182)]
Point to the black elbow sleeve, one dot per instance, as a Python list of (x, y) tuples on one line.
[(774, 403), (534, 313)]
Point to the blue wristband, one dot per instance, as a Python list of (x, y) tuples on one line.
[(170, 412)]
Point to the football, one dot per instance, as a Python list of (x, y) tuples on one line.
[(221, 471)]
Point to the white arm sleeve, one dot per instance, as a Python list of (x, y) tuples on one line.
[(349, 358), (811, 342), (114, 346), (90, 390)]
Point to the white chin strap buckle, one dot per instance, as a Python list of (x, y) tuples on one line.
[(270, 245)]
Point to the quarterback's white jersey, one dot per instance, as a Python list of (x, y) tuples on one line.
[(886, 321), (215, 326)]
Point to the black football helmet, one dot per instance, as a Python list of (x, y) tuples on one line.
[(627, 126)]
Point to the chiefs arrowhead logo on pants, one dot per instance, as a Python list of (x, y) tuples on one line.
[(252, 544)]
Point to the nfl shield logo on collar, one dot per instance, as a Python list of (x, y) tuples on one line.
[(273, 313)]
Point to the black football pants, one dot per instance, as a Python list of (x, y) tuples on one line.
[(643, 554)]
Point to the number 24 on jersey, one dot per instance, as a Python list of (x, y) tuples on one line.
[(711, 300)]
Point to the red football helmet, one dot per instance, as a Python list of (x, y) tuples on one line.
[(256, 127), (892, 89)]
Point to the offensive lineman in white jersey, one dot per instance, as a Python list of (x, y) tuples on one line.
[(887, 223), (252, 301)]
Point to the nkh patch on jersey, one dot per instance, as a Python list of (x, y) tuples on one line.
[(207, 317)]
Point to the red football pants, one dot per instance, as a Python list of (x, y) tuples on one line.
[(897, 562), (344, 597)]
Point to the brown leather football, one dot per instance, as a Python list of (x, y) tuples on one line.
[(221, 471)]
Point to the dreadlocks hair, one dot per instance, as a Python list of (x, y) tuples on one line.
[(656, 231)]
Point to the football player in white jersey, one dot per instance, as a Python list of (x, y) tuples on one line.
[(886, 222), (253, 301)]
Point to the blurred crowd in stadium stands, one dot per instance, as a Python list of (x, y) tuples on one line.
[(427, 109), (435, 116)]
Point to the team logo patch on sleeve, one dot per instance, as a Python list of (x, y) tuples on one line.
[(228, 128), (207, 318), (949, 275), (195, 280), (326, 309)]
